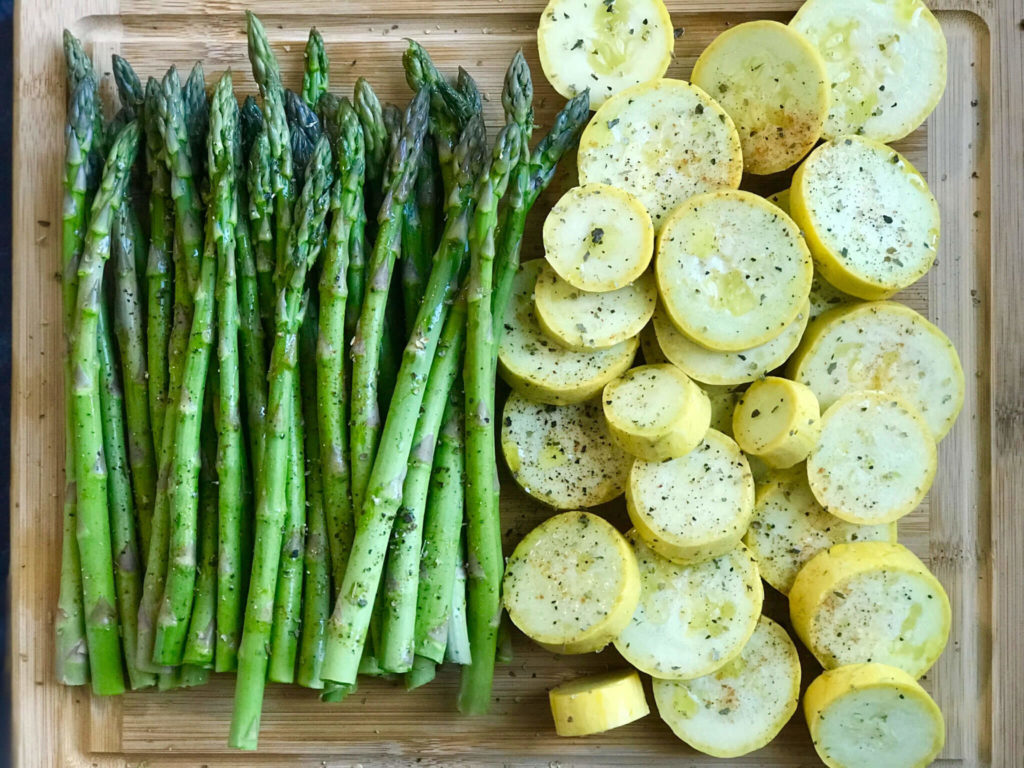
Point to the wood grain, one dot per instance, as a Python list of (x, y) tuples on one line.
[(970, 529)]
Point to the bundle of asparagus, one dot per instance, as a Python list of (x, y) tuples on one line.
[(280, 389)]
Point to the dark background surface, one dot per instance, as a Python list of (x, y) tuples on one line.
[(6, 83)]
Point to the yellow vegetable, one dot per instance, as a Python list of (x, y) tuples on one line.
[(742, 706), (870, 601), (772, 82), (597, 703), (872, 716), (733, 270), (875, 458), (598, 237), (869, 218), (583, 321), (884, 346), (886, 60), (778, 421), (655, 412), (542, 370), (695, 507), (603, 46), (663, 141), (572, 583)]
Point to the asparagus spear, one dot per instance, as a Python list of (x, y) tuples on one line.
[(176, 605), (315, 77), (197, 119), (375, 138), (527, 187), (332, 396), (304, 127), (423, 671), (127, 573), (350, 620), (268, 76), (261, 217), (226, 152), (158, 270), (129, 88), (401, 581), (271, 499), (444, 511), (79, 67), (131, 341), (72, 650), (316, 589), (188, 242), (94, 541), (284, 633), (203, 626), (457, 648), (418, 233), (250, 304), (483, 531), (365, 417)]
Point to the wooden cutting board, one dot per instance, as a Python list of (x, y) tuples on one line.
[(971, 531)]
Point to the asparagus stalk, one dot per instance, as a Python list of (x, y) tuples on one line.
[(284, 634), (268, 76), (331, 393), (72, 650), (563, 134), (197, 120), (304, 127), (127, 573), (393, 337), (176, 605), (130, 331), (365, 417), (457, 648), (375, 138), (129, 88), (203, 626), (79, 67), (350, 620), (230, 467), (418, 233), (253, 359), (158, 270), (261, 217), (188, 241), (444, 512), (315, 77), (271, 497), (401, 581), (423, 671), (94, 541), (316, 599), (483, 531)]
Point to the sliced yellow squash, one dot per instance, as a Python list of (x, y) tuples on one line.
[(603, 45), (733, 270), (873, 716), (598, 703), (572, 583), (884, 346), (790, 527), (726, 368), (886, 60), (870, 601), (778, 421), (582, 320), (874, 460), (742, 706), (691, 619), (543, 370), (563, 455), (598, 238), (663, 141), (695, 507), (869, 218), (772, 82)]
